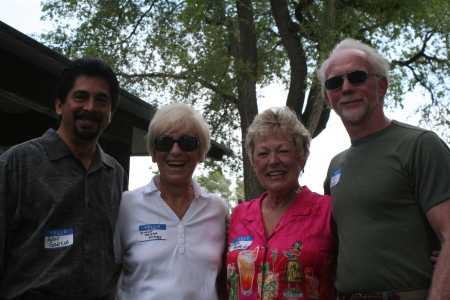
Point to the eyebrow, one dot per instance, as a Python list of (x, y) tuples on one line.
[(83, 92), (340, 75)]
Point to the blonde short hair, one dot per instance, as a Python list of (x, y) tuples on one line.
[(281, 121), (179, 117)]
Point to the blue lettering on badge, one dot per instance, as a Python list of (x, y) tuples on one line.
[(241, 243), (335, 176), (58, 238), (152, 232)]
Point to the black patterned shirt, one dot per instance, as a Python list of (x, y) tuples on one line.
[(57, 221)]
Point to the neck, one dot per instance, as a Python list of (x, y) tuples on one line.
[(365, 128), (178, 198), (274, 208), (175, 194), (276, 201)]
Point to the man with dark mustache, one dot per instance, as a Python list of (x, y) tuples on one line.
[(59, 196), (390, 190)]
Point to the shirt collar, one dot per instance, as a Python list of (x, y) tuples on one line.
[(151, 188), (56, 149), (302, 206)]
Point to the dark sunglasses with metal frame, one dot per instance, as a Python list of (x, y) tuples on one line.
[(186, 143), (354, 77)]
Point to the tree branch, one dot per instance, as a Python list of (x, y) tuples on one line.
[(421, 53), (181, 76), (139, 21)]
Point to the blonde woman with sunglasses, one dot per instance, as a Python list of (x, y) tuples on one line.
[(170, 233)]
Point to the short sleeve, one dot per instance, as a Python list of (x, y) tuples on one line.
[(431, 170)]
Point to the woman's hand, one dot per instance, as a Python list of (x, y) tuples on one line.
[(434, 257)]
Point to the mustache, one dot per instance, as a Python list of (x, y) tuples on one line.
[(83, 115), (349, 98)]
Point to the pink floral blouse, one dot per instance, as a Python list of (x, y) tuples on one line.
[(297, 261)]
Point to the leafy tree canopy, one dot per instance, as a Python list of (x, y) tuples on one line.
[(217, 183), (217, 54)]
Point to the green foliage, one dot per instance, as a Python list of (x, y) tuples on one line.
[(190, 51), (185, 50), (239, 191), (217, 183)]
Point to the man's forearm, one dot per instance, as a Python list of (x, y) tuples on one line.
[(440, 287), (438, 218)]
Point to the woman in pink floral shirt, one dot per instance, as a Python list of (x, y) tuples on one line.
[(280, 246)]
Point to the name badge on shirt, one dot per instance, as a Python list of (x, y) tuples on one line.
[(335, 176), (152, 232), (241, 243), (58, 238)]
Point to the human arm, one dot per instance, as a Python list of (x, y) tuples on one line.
[(438, 218), (116, 273), (222, 289), (434, 256), (2, 228), (118, 266), (333, 228), (221, 283), (3, 186)]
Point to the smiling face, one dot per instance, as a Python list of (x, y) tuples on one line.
[(177, 166), (86, 111), (277, 164), (355, 103)]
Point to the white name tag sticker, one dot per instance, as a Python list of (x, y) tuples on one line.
[(58, 238), (241, 243), (335, 176), (152, 232)]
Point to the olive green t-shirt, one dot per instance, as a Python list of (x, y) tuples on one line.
[(381, 188)]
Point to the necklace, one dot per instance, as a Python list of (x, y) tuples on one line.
[(271, 236), (266, 206), (281, 223)]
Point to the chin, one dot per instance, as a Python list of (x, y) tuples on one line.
[(278, 190)]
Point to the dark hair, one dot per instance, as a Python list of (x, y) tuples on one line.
[(92, 67)]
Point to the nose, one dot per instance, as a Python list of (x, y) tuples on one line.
[(89, 105), (347, 86), (175, 149), (273, 158)]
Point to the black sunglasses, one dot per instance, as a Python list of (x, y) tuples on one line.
[(186, 143), (355, 77)]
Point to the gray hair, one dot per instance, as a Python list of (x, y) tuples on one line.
[(179, 117), (379, 64), (280, 121)]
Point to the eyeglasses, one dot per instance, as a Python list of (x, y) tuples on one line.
[(186, 143), (354, 77)]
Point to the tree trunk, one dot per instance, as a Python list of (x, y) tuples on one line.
[(315, 114), (247, 102), (296, 54)]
